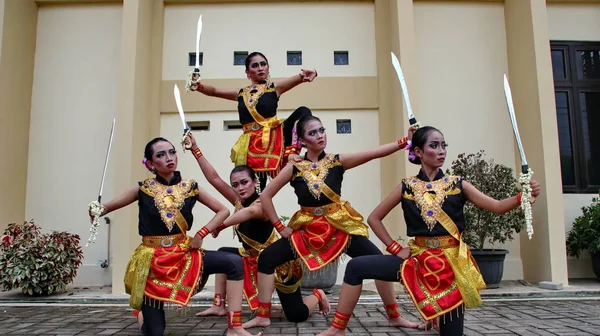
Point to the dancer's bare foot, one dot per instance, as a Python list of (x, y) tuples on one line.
[(239, 331), (403, 323), (213, 311), (257, 322), (140, 319), (324, 306), (333, 332), (428, 326)]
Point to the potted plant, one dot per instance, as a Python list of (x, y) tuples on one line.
[(585, 235), (40, 264), (497, 181), (324, 278)]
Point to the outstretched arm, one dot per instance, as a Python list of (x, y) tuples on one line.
[(284, 85), (221, 212), (129, 196), (351, 160), (383, 209), (211, 174), (209, 90), (500, 207), (253, 211)]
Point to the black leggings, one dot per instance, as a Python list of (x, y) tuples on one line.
[(386, 268), (293, 312), (288, 127), (214, 262)]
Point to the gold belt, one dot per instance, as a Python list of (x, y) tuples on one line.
[(163, 241), (436, 242), (251, 126), (322, 210)]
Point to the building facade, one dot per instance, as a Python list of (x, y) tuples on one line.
[(68, 67)]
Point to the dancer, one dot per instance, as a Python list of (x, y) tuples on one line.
[(169, 266), (325, 226), (267, 142), (437, 269), (255, 232)]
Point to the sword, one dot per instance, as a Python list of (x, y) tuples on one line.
[(198, 34), (411, 117), (526, 172), (513, 119), (112, 132), (186, 128)]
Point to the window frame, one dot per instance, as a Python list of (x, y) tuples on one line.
[(574, 86)]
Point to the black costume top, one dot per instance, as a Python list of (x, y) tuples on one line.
[(307, 184), (151, 196), (266, 101), (415, 209), (256, 229)]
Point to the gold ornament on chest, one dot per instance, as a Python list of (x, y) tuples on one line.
[(430, 196), (253, 93), (169, 199), (314, 173)]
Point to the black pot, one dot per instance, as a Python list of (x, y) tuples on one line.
[(596, 264), (491, 265)]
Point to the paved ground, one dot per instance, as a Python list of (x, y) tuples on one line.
[(516, 317)]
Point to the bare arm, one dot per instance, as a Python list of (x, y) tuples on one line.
[(254, 211), (266, 197), (485, 202), (215, 180), (351, 160), (383, 209), (286, 84), (129, 196), (221, 212), (209, 90)]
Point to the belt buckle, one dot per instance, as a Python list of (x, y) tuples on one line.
[(255, 126), (166, 242), (318, 211), (432, 243)]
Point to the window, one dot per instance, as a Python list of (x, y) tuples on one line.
[(199, 125), (340, 57), (239, 57), (294, 58), (232, 125), (576, 71), (344, 126), (192, 58)]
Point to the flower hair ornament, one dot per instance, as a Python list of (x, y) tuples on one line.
[(146, 164), (411, 153)]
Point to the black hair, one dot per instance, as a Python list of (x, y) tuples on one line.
[(300, 127), (252, 54), (149, 150), (419, 139), (244, 168)]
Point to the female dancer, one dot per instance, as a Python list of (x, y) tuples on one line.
[(267, 142), (255, 232), (169, 266), (437, 269), (325, 226)]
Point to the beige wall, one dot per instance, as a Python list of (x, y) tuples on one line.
[(347, 26), (1, 25), (575, 22), (16, 75), (364, 136), (462, 48), (73, 104)]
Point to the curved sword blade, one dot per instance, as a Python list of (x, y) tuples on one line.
[(513, 119), (180, 108), (400, 74), (112, 132), (198, 35)]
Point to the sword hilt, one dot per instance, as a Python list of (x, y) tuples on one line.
[(524, 169), (412, 121), (99, 198)]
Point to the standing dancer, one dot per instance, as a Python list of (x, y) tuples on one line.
[(267, 142), (437, 269), (325, 226), (169, 266), (255, 232)]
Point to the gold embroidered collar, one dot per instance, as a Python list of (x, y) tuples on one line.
[(251, 94), (169, 199), (430, 196), (314, 173)]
